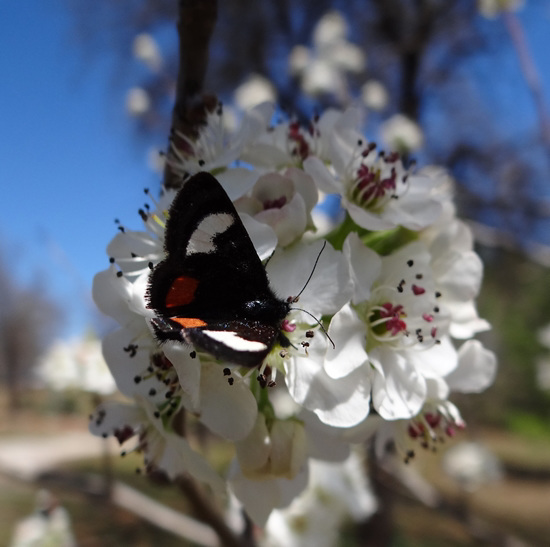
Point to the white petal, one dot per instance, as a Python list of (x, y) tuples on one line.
[(328, 289), (476, 368), (265, 155), (465, 321), (256, 121), (134, 250), (324, 442), (462, 279), (261, 497), (340, 403), (289, 222), (253, 451), (112, 295), (368, 220), (237, 181), (402, 392), (437, 389), (228, 410), (324, 180), (263, 236), (112, 416), (304, 186), (137, 302), (188, 371), (343, 144), (348, 333), (125, 368), (178, 458), (414, 213), (437, 361), (365, 267), (288, 448)]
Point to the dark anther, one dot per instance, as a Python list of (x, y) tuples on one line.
[(131, 349)]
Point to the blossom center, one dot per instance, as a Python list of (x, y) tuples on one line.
[(277, 203), (372, 184), (431, 426), (389, 318), (406, 314), (301, 146)]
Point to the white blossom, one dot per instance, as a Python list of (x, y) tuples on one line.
[(402, 134), (323, 68), (256, 89), (162, 449), (76, 364), (375, 306), (374, 95), (335, 494), (377, 191)]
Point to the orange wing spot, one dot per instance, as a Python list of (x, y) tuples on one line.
[(181, 292), (189, 322)]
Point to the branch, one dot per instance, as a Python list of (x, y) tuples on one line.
[(530, 72), (206, 513), (197, 19)]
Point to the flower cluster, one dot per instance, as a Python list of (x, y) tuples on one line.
[(394, 290)]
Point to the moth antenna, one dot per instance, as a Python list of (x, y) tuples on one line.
[(295, 298), (317, 321)]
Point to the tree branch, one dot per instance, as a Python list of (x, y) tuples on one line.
[(197, 19)]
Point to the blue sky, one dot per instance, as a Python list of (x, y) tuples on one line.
[(70, 163)]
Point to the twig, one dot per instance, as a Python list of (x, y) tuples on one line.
[(530, 72), (206, 513)]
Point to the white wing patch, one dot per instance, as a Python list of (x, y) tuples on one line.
[(234, 341), (202, 239)]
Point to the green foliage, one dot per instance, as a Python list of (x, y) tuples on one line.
[(515, 299), (528, 425)]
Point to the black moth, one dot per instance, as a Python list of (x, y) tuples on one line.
[(212, 290)]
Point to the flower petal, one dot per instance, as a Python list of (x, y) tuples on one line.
[(348, 333), (228, 410), (476, 368), (365, 267), (328, 289), (402, 392)]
